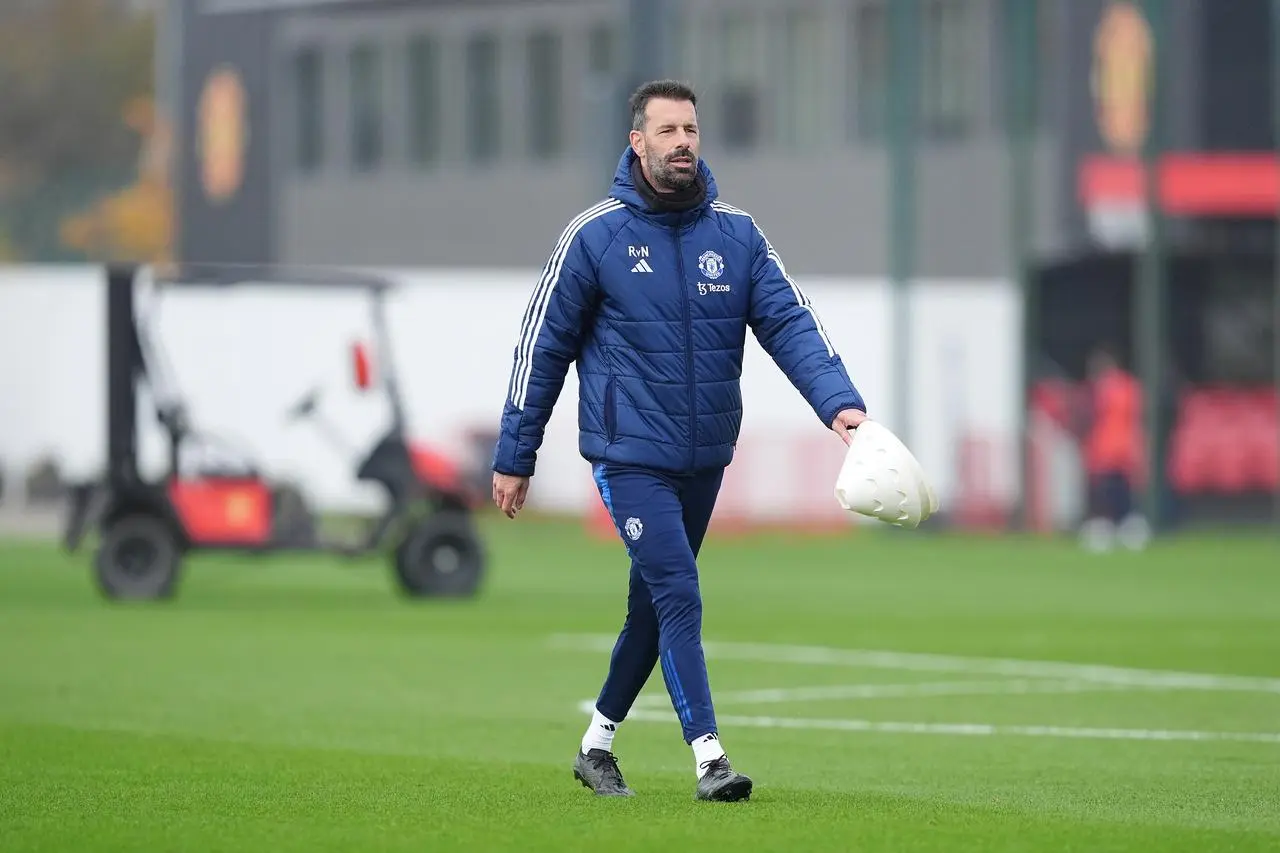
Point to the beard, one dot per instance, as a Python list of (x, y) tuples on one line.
[(670, 177)]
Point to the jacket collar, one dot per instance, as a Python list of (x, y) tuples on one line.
[(625, 190)]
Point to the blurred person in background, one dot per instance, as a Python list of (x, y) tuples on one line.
[(651, 292), (1113, 455)]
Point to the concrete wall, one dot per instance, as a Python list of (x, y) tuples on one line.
[(826, 216)]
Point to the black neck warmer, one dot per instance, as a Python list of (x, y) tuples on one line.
[(672, 202)]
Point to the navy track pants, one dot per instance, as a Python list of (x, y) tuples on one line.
[(662, 520)]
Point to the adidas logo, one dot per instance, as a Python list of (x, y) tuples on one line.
[(643, 266)]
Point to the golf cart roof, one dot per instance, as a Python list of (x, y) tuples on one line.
[(233, 275)]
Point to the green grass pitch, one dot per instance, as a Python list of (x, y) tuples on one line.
[(888, 691)]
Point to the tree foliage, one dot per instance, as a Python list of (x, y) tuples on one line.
[(74, 75)]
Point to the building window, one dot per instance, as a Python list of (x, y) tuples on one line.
[(424, 87), (1044, 60), (1047, 52), (679, 44), (545, 95), (602, 49), (739, 87), (803, 113), (947, 62), (869, 69), (367, 94), (308, 100), (484, 98)]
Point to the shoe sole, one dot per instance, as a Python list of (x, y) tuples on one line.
[(736, 791)]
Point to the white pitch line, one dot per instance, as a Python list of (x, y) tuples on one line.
[(775, 695), (962, 729), (871, 659)]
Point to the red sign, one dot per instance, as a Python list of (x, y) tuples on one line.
[(1188, 183)]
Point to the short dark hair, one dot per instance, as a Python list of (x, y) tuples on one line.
[(672, 90)]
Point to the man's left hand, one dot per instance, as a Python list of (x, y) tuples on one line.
[(509, 492), (846, 422)]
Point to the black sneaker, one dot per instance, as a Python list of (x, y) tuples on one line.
[(721, 783), (597, 769)]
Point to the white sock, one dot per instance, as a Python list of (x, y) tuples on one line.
[(599, 734), (706, 748)]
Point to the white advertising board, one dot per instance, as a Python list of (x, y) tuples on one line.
[(242, 357)]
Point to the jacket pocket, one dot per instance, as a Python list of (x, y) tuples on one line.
[(610, 409)]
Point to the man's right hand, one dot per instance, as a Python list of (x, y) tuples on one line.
[(509, 493)]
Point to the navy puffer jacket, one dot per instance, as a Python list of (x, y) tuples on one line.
[(654, 305)]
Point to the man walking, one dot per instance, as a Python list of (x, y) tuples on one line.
[(651, 292)]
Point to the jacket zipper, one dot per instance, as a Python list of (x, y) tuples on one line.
[(688, 351)]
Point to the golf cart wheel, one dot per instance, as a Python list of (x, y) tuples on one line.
[(138, 558), (441, 557), (293, 524)]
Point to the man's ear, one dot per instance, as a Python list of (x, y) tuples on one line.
[(637, 142)]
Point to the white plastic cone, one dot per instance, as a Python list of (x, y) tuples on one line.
[(882, 479)]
